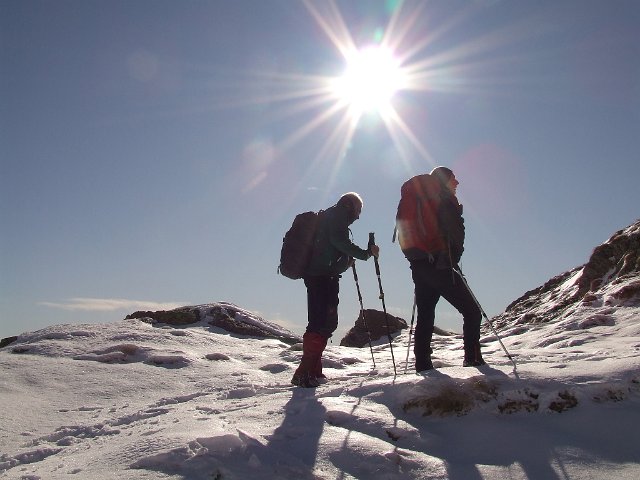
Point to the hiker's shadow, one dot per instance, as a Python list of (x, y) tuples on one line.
[(493, 372), (464, 443), (298, 435)]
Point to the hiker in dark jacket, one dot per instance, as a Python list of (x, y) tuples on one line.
[(333, 254), (436, 275)]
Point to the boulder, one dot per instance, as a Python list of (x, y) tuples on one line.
[(7, 341), (377, 326)]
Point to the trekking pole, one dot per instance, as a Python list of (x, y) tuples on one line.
[(413, 316), (364, 317), (384, 307), (464, 279)]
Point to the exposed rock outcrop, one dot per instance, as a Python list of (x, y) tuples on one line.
[(612, 274), (377, 325), (7, 341), (177, 317), (222, 315)]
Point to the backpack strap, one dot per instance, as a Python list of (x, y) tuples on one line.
[(419, 209), (423, 229)]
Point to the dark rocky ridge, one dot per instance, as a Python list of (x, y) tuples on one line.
[(613, 263), (7, 341), (226, 316)]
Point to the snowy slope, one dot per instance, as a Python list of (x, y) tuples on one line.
[(611, 277), (135, 400), (138, 399)]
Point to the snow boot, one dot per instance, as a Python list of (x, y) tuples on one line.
[(423, 360), (317, 370), (304, 381), (472, 355), (312, 346), (423, 365)]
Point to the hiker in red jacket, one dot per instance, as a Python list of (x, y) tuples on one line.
[(431, 233), (333, 254)]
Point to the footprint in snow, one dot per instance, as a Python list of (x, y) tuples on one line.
[(217, 356), (275, 367), (178, 333), (168, 361), (597, 320), (245, 392), (338, 418)]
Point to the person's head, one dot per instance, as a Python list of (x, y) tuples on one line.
[(446, 177), (352, 202)]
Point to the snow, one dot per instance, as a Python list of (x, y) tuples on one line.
[(135, 400)]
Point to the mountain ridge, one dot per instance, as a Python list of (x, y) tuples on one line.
[(610, 276)]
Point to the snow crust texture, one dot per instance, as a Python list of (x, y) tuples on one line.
[(142, 399), (155, 401)]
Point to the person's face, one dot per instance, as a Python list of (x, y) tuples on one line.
[(356, 209), (452, 184)]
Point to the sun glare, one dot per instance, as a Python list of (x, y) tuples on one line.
[(371, 79)]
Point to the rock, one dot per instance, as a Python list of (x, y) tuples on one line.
[(220, 315), (377, 324), (178, 317), (617, 261), (618, 256), (231, 320), (7, 341)]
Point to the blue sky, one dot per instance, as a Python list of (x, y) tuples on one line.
[(155, 152)]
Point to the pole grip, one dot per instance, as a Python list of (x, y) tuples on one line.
[(372, 241)]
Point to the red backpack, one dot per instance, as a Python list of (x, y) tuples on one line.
[(417, 217)]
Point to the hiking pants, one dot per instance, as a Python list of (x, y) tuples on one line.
[(431, 284), (322, 304)]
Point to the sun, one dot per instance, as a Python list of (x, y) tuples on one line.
[(371, 78)]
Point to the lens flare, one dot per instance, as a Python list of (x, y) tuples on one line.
[(381, 78)]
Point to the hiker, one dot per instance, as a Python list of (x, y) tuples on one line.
[(434, 259), (333, 253)]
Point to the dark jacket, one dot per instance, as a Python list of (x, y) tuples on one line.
[(451, 226), (333, 249)]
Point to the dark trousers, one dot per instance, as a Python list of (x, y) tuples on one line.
[(322, 304), (431, 284)]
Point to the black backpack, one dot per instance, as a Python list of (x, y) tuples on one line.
[(297, 245)]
